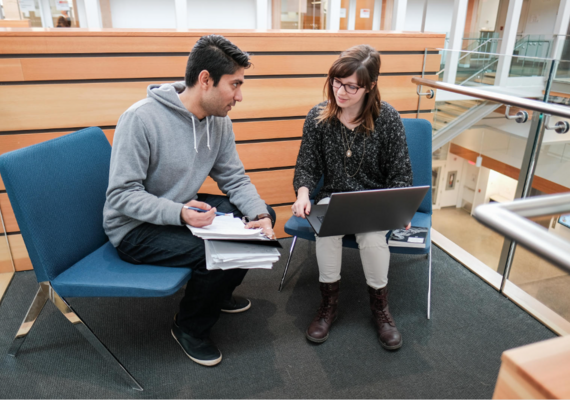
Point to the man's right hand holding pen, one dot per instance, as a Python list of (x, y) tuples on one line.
[(198, 219)]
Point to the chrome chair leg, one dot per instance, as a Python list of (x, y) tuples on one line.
[(72, 317), (429, 284), (33, 312), (288, 262)]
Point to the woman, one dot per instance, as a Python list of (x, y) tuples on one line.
[(358, 143)]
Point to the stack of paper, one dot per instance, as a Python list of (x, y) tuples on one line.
[(229, 228), (228, 245), (228, 255)]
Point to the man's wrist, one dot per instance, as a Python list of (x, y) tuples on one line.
[(263, 216)]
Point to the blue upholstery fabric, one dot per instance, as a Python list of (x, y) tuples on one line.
[(418, 136), (103, 274), (57, 190)]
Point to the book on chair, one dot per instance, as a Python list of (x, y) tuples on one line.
[(416, 237)]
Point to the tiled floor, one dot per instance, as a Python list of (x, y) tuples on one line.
[(537, 277)]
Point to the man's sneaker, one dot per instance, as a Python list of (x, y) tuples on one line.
[(201, 351), (236, 305)]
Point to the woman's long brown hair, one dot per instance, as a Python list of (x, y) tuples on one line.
[(365, 61)]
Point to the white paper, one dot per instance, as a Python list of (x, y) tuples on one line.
[(415, 240), (343, 12), (364, 13), (236, 250), (225, 226), (245, 260)]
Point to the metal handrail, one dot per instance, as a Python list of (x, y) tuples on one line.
[(510, 220), (527, 104)]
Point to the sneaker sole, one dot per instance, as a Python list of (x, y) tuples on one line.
[(206, 363), (238, 310)]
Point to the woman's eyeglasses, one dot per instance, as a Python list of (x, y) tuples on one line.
[(350, 89)]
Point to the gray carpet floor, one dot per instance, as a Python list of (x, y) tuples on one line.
[(456, 354)]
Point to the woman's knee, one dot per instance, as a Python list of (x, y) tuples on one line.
[(371, 239)]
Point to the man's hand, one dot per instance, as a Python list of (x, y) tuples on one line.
[(196, 218), (302, 206), (264, 224)]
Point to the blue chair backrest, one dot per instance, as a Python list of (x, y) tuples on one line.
[(419, 137), (57, 190)]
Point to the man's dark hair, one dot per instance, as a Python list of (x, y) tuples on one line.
[(217, 55)]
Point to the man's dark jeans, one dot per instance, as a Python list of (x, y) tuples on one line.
[(175, 246)]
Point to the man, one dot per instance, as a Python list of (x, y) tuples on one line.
[(164, 148)]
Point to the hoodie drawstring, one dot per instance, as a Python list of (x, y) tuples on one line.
[(208, 132), (194, 129)]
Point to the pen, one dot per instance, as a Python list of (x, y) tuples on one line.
[(200, 210)]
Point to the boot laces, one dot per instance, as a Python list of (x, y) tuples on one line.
[(382, 315)]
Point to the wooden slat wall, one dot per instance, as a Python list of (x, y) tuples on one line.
[(52, 83)]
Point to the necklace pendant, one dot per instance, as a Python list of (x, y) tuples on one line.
[(349, 153)]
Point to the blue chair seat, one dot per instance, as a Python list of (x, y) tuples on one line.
[(97, 275)]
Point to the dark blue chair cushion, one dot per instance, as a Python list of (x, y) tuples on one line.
[(103, 274)]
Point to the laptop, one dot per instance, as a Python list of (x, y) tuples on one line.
[(366, 211)]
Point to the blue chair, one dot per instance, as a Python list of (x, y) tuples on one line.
[(418, 136), (57, 190)]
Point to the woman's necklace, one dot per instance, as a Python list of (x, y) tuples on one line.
[(348, 153), (345, 138)]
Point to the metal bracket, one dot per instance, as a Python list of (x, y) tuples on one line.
[(521, 117), (429, 94), (559, 127)]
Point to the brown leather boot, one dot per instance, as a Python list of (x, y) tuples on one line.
[(318, 331), (388, 334)]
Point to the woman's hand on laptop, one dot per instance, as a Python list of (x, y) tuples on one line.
[(409, 226), (302, 206)]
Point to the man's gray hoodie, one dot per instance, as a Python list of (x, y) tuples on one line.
[(161, 156)]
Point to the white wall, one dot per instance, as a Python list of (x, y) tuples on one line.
[(213, 14), (143, 14), (221, 14), (541, 17), (487, 15), (438, 18)]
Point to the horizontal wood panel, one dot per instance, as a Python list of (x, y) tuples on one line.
[(8, 214), (269, 154), (78, 41), (72, 68), (256, 130), (14, 23), (283, 214), (274, 187), (5, 260), (22, 260), (11, 70), (28, 107)]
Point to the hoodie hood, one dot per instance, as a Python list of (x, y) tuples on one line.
[(167, 94)]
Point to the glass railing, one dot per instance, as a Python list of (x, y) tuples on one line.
[(475, 68), (536, 276), (489, 159)]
